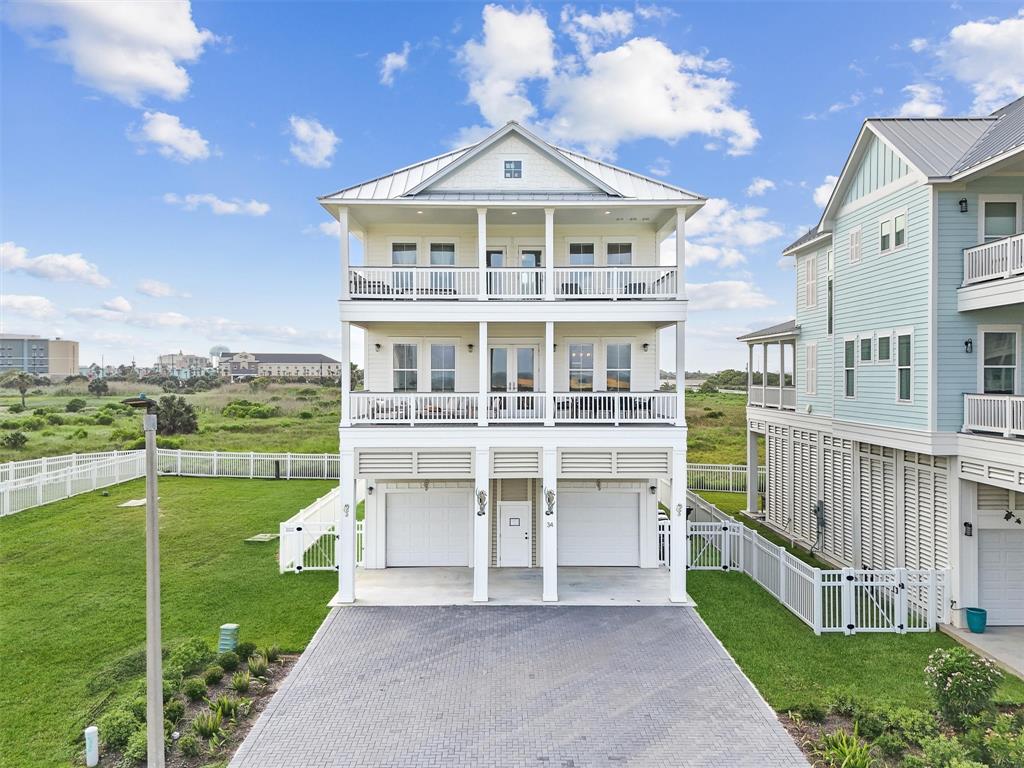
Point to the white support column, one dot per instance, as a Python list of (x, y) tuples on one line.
[(549, 518), (678, 540), (752, 471), (680, 253), (482, 525), (482, 360), (549, 254), (481, 252), (549, 374), (680, 374), (344, 255), (346, 373), (764, 375), (347, 527), (782, 370)]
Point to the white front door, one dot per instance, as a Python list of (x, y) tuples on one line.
[(515, 532), (1001, 575), (598, 528), (513, 369), (428, 527)]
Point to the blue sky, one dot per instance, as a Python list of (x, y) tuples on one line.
[(159, 162)]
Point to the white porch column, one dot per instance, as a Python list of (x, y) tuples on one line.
[(680, 253), (549, 518), (347, 527), (346, 373), (752, 471), (764, 375), (483, 355), (481, 525), (549, 374), (344, 255), (549, 254), (481, 252), (680, 374), (677, 571), (782, 370)]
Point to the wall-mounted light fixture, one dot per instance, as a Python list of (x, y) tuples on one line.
[(963, 205), (481, 502), (968, 529), (969, 346), (377, 347), (549, 500), (369, 490), (653, 489), (646, 346), (470, 347)]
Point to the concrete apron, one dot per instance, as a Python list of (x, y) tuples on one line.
[(512, 586), (1004, 645)]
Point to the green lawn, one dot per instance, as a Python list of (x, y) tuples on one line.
[(72, 595)]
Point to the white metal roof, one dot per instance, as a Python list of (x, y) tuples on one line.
[(933, 145)]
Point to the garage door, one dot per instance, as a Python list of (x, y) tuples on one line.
[(598, 528), (1001, 566), (428, 528)]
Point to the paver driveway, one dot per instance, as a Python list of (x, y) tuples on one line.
[(560, 687)]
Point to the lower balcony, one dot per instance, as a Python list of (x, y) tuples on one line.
[(501, 408), (994, 414), (772, 396)]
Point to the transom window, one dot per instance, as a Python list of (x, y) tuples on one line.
[(513, 169), (999, 362), (618, 367), (903, 366), (442, 367), (581, 367), (404, 367)]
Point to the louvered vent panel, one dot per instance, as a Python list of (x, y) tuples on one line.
[(384, 463), (585, 463), (838, 497), (993, 499), (516, 464), (641, 463), (877, 507), (444, 463)]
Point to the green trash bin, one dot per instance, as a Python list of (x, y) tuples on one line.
[(976, 620)]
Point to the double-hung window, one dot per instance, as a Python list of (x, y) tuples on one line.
[(892, 232), (904, 367), (850, 368), (999, 362), (442, 367), (618, 366), (404, 367), (581, 367)]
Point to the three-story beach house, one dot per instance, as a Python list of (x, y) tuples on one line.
[(512, 294), (892, 409)]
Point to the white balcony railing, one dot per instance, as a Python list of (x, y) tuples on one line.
[(615, 282), (997, 259), (771, 396), (1002, 414), (413, 283), (515, 283), (511, 407)]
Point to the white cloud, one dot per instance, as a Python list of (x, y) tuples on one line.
[(589, 31), (721, 233), (111, 312), (838, 106), (118, 304), (660, 167), (235, 206), (125, 48), (313, 144), (726, 294), (823, 191), (37, 307), (988, 56), (655, 12), (923, 100), (59, 267), (758, 186), (158, 289), (172, 139), (918, 44), (393, 63), (327, 228)]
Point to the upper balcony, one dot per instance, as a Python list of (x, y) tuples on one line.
[(993, 274), (1001, 415), (771, 366)]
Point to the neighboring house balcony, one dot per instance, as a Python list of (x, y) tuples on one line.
[(993, 274), (771, 366), (994, 414)]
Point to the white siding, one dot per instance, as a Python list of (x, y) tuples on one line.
[(877, 467)]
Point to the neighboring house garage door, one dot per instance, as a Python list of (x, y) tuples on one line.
[(1001, 566), (429, 528), (598, 528)]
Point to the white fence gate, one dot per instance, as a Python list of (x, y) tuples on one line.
[(309, 540)]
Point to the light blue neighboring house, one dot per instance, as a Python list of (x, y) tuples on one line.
[(895, 398)]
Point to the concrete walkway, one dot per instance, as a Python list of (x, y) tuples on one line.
[(1004, 645), (558, 687)]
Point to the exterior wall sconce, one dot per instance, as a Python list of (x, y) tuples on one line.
[(481, 502), (369, 490), (968, 529), (426, 485), (654, 490), (969, 346), (963, 205), (377, 347), (549, 500), (646, 346), (470, 347)]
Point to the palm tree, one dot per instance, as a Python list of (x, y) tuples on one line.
[(20, 381)]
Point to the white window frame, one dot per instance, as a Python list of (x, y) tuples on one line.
[(850, 340), (598, 353), (896, 360), (855, 245), (432, 241), (870, 339), (629, 342), (811, 368), (879, 335), (830, 296), (630, 241), (571, 241), (982, 199), (1018, 385), (416, 343), (429, 346), (522, 168), (891, 219), (811, 281), (392, 241)]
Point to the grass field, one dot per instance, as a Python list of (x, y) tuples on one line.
[(308, 422)]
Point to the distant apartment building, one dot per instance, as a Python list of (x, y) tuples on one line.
[(183, 366), (239, 366), (54, 358)]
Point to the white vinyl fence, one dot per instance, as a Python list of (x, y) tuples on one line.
[(310, 539), (846, 600)]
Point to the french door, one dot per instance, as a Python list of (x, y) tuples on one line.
[(513, 369)]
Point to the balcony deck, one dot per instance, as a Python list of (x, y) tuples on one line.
[(772, 396), (993, 274), (994, 414)]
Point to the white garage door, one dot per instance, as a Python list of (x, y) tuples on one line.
[(1001, 566), (428, 528), (598, 528)]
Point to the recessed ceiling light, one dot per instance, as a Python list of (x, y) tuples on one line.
[(606, 213), (514, 212), (419, 211)]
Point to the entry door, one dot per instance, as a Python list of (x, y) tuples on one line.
[(513, 369), (514, 534)]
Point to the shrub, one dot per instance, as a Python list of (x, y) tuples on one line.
[(116, 727), (891, 744), (74, 405), (191, 655), (870, 723), (939, 752), (245, 409), (213, 674), (961, 682), (16, 408), (15, 441), (240, 682), (33, 424), (137, 707), (245, 650), (135, 750), (913, 725), (257, 666), (54, 419), (174, 710), (840, 749), (194, 688), (9, 424), (228, 661), (810, 711), (207, 724), (1004, 743), (272, 653), (177, 416), (189, 745), (103, 419), (226, 706), (305, 415), (98, 387), (78, 434)]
